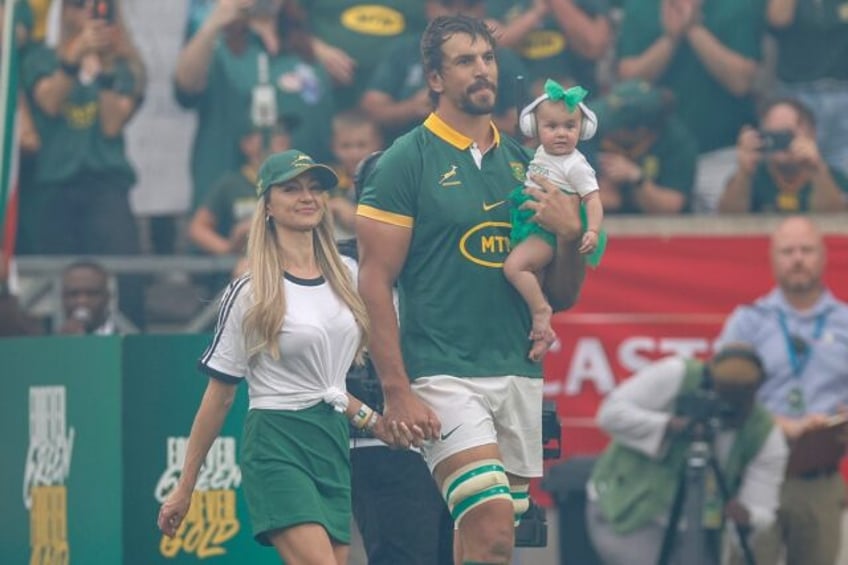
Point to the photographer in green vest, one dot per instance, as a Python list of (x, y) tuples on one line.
[(652, 418)]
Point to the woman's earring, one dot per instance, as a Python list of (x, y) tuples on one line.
[(268, 218)]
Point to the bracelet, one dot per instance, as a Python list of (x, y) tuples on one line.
[(372, 422), (70, 69), (363, 418), (106, 81)]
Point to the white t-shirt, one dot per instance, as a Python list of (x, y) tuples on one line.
[(318, 342), (572, 173)]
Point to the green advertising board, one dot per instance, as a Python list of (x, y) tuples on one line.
[(162, 390), (93, 431), (60, 432)]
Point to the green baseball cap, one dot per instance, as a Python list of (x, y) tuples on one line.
[(628, 105), (282, 167)]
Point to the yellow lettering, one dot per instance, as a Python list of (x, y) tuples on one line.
[(541, 44), (211, 521), (49, 526), (373, 20), (80, 117), (494, 244)]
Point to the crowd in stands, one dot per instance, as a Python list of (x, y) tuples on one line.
[(704, 107)]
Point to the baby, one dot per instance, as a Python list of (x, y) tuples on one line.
[(559, 119)]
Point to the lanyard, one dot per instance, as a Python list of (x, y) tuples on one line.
[(799, 359)]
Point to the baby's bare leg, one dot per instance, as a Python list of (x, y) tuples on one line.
[(521, 268)]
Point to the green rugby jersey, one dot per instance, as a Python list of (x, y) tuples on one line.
[(458, 313)]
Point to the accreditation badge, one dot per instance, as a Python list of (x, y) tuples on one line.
[(795, 399)]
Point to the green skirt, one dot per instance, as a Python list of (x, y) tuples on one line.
[(523, 226), (296, 470)]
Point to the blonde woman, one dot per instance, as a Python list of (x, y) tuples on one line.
[(291, 328)]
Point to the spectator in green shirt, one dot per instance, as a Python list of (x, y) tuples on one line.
[(781, 168), (646, 163), (349, 38), (560, 39), (397, 96), (812, 50), (706, 53), (82, 94), (247, 61)]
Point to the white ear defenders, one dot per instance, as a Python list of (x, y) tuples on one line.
[(527, 119)]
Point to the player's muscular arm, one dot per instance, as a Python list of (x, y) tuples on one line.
[(383, 250)]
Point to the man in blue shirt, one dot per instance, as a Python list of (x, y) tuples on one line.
[(800, 331)]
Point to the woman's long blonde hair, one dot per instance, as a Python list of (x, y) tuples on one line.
[(264, 318)]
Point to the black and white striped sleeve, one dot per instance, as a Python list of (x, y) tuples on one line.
[(226, 357)]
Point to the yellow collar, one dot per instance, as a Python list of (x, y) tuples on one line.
[(442, 130)]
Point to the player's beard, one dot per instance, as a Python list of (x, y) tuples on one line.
[(487, 106)]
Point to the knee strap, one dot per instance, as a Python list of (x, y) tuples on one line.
[(473, 485), (520, 500)]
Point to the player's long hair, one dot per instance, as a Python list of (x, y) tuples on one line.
[(264, 318)]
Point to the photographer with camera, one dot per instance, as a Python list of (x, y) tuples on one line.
[(780, 167), (654, 418)]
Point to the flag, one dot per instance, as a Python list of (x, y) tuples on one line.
[(8, 131)]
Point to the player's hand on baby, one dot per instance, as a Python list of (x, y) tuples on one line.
[(589, 242), (555, 210)]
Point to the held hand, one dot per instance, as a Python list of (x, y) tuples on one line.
[(589, 242), (338, 63), (807, 152), (228, 11), (619, 169), (173, 511), (409, 420), (737, 512), (748, 154), (794, 428), (554, 210), (381, 430), (677, 425), (86, 41), (673, 18)]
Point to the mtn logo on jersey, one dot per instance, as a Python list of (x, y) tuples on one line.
[(449, 178), (486, 244)]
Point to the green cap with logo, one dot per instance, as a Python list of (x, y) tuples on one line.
[(282, 167), (628, 105)]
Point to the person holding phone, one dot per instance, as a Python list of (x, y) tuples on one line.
[(250, 60), (780, 167), (83, 94)]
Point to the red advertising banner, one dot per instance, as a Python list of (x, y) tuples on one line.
[(650, 298)]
